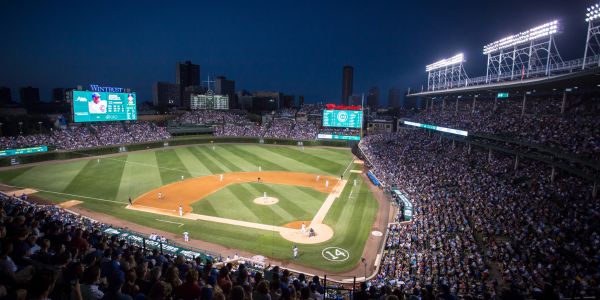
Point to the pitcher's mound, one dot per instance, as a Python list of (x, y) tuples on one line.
[(266, 200), (322, 234)]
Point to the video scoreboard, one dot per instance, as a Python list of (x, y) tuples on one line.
[(342, 118), (89, 106)]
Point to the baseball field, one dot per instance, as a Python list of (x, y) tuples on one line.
[(214, 193)]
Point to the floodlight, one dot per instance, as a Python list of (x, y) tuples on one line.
[(593, 13), (532, 34), (454, 60)]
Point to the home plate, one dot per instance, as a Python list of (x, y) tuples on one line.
[(69, 203)]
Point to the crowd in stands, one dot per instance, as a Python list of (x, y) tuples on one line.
[(576, 131), (75, 138), (312, 109), (49, 253), (481, 228), (209, 117)]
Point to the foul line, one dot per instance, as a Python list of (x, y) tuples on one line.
[(166, 221), (73, 195)]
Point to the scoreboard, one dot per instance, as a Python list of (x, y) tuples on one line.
[(102, 106), (342, 118)]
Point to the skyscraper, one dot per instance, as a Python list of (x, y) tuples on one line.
[(29, 96), (58, 95), (373, 97), (223, 86), (166, 94), (187, 74), (347, 78), (394, 98), (5, 96)]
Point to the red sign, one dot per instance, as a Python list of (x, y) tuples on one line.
[(342, 107)]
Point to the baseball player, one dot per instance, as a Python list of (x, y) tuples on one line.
[(180, 211), (295, 250), (326, 183), (318, 176), (186, 236), (303, 229), (160, 196), (221, 177)]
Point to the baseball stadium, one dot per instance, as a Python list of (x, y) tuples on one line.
[(471, 187)]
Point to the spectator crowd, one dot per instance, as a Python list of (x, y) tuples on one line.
[(75, 138), (482, 228)]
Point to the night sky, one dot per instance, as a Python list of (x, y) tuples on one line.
[(296, 47)]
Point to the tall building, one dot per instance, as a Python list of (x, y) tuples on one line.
[(394, 98), (187, 74), (188, 91), (69, 95), (373, 97), (166, 94), (224, 86), (29, 96), (5, 96), (347, 78), (289, 101), (58, 95)]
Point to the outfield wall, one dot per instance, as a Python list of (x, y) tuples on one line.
[(188, 140)]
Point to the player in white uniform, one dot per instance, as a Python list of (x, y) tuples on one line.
[(318, 176), (186, 236), (180, 211), (295, 250), (326, 183), (303, 229), (160, 196), (221, 177), (181, 177)]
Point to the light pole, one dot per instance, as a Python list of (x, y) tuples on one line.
[(21, 128), (40, 124)]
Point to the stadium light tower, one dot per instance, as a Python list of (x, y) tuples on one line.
[(592, 44), (446, 73), (527, 53)]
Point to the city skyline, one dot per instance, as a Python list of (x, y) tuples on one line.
[(113, 44)]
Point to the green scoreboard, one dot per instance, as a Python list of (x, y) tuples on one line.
[(91, 106), (342, 118)]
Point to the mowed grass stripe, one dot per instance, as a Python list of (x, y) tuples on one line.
[(170, 166), (288, 204), (10, 174), (238, 204), (258, 160), (241, 162), (209, 164), (191, 162), (209, 155), (224, 159), (51, 177), (140, 175), (267, 211), (308, 159), (99, 180), (307, 199), (289, 162), (364, 210)]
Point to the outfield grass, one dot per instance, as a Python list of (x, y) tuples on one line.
[(105, 186)]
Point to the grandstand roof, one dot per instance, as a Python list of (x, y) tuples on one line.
[(580, 79)]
